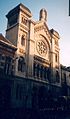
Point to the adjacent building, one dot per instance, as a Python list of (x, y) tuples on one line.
[(7, 55)]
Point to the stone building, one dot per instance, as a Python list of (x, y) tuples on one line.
[(65, 80), (38, 76), (37, 46), (37, 67), (7, 53)]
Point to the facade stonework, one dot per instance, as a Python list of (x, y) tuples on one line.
[(37, 80), (37, 46)]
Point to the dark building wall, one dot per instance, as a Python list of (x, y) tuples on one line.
[(27, 93)]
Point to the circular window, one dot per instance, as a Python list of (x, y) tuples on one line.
[(41, 47)]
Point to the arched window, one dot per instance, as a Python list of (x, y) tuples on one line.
[(8, 65), (57, 77), (38, 70), (64, 77), (23, 40), (24, 20), (48, 74), (56, 58), (21, 64), (45, 73), (56, 42), (2, 62), (41, 72), (35, 70)]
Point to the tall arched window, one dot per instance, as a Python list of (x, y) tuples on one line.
[(37, 70), (8, 65), (23, 40), (64, 77), (21, 64), (34, 69), (56, 58), (41, 72), (45, 73), (48, 74), (57, 77)]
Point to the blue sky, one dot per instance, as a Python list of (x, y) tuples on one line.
[(58, 19)]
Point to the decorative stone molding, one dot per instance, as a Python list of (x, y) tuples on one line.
[(41, 60)]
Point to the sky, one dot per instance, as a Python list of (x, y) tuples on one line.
[(58, 19)]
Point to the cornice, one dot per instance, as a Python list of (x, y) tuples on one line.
[(40, 59), (8, 45), (23, 27)]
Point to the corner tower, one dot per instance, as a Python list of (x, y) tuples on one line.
[(17, 33)]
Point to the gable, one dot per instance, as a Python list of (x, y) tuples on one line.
[(42, 28)]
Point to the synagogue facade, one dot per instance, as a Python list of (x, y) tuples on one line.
[(33, 70), (37, 54)]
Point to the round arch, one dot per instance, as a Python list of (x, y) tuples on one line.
[(46, 40)]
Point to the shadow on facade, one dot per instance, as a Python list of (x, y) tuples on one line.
[(35, 100)]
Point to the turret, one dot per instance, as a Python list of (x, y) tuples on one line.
[(43, 15)]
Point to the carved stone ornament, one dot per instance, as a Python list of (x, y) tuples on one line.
[(41, 47)]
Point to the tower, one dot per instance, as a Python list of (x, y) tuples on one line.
[(18, 33), (55, 63)]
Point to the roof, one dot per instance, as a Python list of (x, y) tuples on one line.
[(16, 10), (5, 41), (55, 33), (65, 68)]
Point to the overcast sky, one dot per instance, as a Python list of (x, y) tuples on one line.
[(58, 19)]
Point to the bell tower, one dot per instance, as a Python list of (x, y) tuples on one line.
[(18, 32)]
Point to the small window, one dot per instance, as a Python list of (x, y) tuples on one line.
[(56, 57), (34, 69), (24, 20), (3, 57), (0, 56), (2, 64), (56, 42), (21, 64), (57, 77), (23, 40), (64, 77), (69, 75)]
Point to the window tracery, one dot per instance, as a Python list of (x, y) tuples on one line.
[(41, 47)]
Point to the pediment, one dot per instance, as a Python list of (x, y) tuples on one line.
[(42, 37), (43, 28)]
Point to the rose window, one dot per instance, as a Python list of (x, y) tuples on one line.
[(41, 47)]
